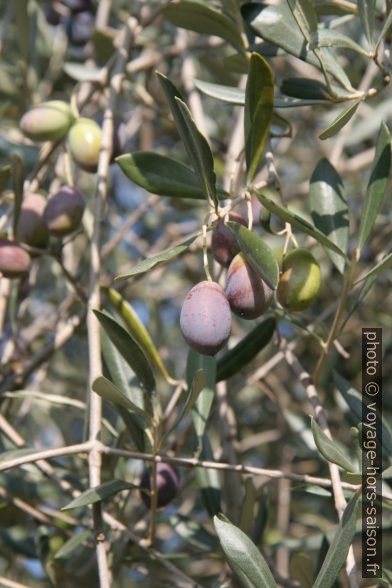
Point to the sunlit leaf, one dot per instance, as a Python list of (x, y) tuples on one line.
[(243, 556)]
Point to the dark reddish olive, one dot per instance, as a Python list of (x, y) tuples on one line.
[(64, 211), (31, 227), (205, 319), (167, 484), (14, 260), (249, 296), (224, 245)]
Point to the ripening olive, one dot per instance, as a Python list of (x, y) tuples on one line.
[(31, 227), (300, 280), (64, 211), (224, 245), (79, 28), (84, 141), (167, 484), (205, 319), (49, 121), (14, 260), (249, 296)]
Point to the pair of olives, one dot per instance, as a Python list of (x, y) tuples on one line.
[(205, 319), (39, 218), (53, 120)]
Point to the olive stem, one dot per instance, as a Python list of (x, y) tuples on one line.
[(68, 168), (348, 282), (205, 255)]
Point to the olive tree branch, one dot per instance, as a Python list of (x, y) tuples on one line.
[(93, 302), (321, 417)]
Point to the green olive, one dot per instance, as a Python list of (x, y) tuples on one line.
[(84, 139), (300, 280), (49, 121)]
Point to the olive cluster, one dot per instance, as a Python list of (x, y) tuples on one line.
[(205, 319), (61, 214)]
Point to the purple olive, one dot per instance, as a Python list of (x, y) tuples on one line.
[(31, 227), (14, 260), (64, 211), (205, 319), (167, 484), (224, 245), (79, 28), (249, 296)]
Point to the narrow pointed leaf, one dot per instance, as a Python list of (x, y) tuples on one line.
[(129, 349), (297, 222), (195, 143), (137, 330), (201, 18), (202, 407), (305, 15), (241, 354), (151, 262), (328, 448), (367, 14), (69, 546), (331, 38), (259, 100), (198, 384), (107, 390), (162, 175), (382, 265), (124, 379), (276, 24), (377, 184), (257, 253), (337, 552), (385, 29), (340, 121), (101, 492), (243, 556), (329, 208), (194, 533), (229, 94), (5, 174), (208, 480)]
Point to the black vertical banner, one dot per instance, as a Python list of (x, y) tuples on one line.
[(371, 452)]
